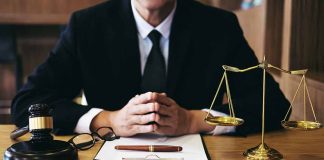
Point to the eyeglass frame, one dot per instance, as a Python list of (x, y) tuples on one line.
[(93, 135)]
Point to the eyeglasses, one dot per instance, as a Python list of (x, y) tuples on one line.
[(85, 141)]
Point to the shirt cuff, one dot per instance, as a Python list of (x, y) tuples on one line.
[(83, 125), (220, 129)]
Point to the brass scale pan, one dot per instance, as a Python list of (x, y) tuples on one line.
[(224, 121), (301, 125), (233, 121)]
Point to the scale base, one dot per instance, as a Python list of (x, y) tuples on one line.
[(262, 152)]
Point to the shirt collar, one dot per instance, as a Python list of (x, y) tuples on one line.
[(145, 28)]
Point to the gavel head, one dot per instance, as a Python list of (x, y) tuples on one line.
[(40, 122)]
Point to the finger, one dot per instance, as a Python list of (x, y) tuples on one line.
[(165, 121), (163, 99), (144, 108), (164, 94), (165, 130), (144, 119), (144, 98), (143, 128), (165, 110)]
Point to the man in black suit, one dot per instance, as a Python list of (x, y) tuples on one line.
[(142, 61)]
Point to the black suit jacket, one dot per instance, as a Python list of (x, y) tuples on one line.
[(98, 52)]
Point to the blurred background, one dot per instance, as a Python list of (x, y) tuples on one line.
[(289, 32)]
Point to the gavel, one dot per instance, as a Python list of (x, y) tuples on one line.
[(40, 124), (41, 144)]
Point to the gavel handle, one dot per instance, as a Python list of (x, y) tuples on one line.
[(19, 132)]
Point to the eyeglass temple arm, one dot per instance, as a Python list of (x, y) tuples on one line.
[(19, 132), (84, 144)]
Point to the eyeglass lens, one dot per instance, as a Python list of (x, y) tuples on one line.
[(106, 133), (83, 141), (86, 141)]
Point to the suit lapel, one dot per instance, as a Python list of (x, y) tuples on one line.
[(179, 44), (127, 58)]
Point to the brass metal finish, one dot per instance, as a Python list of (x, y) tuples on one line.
[(151, 148), (301, 125), (230, 120), (262, 151), (263, 103), (224, 121), (40, 123)]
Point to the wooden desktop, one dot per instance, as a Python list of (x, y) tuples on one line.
[(294, 145)]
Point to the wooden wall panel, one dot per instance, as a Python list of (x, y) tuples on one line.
[(252, 21), (274, 31), (37, 29), (307, 37), (7, 83), (306, 51), (40, 11), (290, 60), (34, 44), (7, 91)]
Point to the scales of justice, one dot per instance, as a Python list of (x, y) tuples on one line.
[(262, 151)]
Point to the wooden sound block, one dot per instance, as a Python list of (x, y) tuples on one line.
[(49, 150)]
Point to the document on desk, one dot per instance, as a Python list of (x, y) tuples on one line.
[(192, 145)]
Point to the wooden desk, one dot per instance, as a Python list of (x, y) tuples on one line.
[(294, 145)]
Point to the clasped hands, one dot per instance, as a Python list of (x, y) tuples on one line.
[(152, 112)]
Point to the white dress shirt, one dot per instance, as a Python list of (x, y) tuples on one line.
[(145, 45)]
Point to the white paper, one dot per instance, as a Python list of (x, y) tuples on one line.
[(192, 147)]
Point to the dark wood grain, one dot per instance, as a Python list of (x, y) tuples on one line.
[(307, 37), (273, 32), (40, 11)]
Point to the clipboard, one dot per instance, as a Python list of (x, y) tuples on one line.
[(152, 157)]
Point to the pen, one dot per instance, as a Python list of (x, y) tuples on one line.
[(150, 148)]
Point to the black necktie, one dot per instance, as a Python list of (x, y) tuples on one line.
[(154, 77)]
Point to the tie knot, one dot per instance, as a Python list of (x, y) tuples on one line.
[(155, 36)]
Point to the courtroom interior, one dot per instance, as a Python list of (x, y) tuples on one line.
[(287, 33)]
